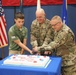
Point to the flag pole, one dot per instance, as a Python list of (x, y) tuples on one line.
[(21, 3), (3, 53), (14, 10), (66, 4)]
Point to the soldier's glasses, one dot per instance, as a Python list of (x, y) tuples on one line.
[(55, 24)]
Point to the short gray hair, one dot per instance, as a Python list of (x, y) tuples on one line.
[(40, 11), (57, 18)]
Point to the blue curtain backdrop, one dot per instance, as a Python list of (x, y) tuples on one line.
[(29, 13)]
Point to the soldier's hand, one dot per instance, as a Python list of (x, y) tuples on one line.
[(47, 52), (35, 49), (22, 51), (31, 52), (38, 53)]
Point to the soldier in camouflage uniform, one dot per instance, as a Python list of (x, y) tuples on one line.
[(64, 45), (39, 29)]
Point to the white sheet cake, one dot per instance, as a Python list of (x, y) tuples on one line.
[(28, 60)]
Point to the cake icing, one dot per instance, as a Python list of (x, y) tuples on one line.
[(28, 60)]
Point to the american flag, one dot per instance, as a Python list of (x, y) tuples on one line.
[(3, 35)]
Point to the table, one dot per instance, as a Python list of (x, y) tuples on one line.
[(54, 68)]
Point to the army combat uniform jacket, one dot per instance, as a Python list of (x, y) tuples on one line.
[(64, 45), (39, 31)]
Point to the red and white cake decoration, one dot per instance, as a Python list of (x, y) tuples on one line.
[(28, 60)]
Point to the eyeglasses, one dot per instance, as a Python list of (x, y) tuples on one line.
[(55, 24)]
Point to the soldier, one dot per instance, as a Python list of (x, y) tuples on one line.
[(39, 29), (18, 36), (64, 44)]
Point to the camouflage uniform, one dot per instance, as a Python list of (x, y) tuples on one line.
[(64, 44), (39, 31)]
